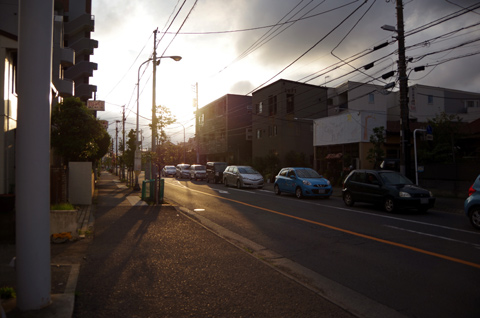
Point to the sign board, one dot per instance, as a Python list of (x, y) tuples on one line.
[(429, 137), (98, 105)]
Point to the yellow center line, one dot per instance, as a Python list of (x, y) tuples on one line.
[(368, 237)]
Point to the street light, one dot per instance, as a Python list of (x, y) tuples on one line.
[(138, 163)]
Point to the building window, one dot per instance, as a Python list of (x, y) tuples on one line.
[(275, 131), (248, 133), (259, 108), (290, 103), (471, 103), (259, 133), (272, 105), (371, 98), (269, 131), (430, 99)]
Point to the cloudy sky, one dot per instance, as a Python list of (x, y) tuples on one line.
[(235, 47)]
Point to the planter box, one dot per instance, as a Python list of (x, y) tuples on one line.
[(64, 221)]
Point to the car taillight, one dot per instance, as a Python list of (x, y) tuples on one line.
[(471, 190)]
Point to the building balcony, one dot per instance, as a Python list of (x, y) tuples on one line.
[(65, 87), (84, 46), (85, 22), (67, 57), (84, 91), (80, 70)]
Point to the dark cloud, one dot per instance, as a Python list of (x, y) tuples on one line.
[(357, 34)]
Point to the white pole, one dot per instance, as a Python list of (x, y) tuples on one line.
[(415, 150), (35, 42)]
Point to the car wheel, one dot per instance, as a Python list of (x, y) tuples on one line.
[(276, 190), (474, 216), (348, 199), (389, 205), (298, 193), (225, 182), (239, 184)]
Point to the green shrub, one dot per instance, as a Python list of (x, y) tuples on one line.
[(7, 293), (62, 206)]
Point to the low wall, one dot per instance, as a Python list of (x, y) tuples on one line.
[(64, 221)]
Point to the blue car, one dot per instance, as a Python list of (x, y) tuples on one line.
[(302, 182), (472, 204)]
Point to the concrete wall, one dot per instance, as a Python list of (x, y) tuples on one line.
[(64, 221), (80, 183)]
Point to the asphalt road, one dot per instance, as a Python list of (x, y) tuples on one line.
[(421, 265)]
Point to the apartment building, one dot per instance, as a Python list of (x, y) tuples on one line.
[(223, 130), (282, 120), (71, 69)]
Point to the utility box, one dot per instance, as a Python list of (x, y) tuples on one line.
[(81, 183)]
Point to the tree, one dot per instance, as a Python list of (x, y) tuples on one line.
[(376, 153), (446, 132), (129, 153), (295, 159), (76, 134), (164, 119)]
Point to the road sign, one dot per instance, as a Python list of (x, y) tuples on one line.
[(429, 130)]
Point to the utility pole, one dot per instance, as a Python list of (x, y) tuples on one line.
[(123, 128), (154, 116), (116, 147), (197, 142), (32, 202), (403, 81)]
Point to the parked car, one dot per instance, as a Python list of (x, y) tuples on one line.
[(198, 172), (182, 171), (389, 188), (302, 182), (168, 171), (472, 203), (242, 176), (215, 171)]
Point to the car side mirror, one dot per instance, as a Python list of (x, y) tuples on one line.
[(292, 177)]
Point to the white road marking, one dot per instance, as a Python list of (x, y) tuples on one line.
[(436, 236)]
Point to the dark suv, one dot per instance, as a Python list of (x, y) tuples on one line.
[(215, 171), (389, 188)]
